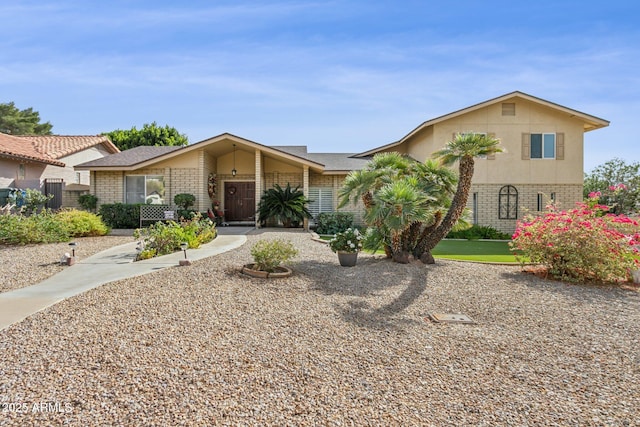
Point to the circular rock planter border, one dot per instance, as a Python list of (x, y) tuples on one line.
[(281, 271)]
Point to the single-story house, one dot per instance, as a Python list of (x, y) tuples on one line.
[(46, 163), (543, 159)]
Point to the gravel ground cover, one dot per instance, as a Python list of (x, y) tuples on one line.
[(205, 345), (30, 264)]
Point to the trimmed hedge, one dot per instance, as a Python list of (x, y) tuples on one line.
[(476, 232), (120, 215)]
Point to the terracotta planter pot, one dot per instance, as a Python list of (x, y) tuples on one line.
[(280, 272), (347, 259)]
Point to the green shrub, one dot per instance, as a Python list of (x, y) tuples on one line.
[(82, 223), (43, 227), (184, 200), (269, 254), (88, 201), (33, 201), (286, 205), (476, 232), (119, 215), (334, 222), (162, 238)]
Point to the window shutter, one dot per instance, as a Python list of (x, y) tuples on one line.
[(491, 156), (559, 146), (526, 146)]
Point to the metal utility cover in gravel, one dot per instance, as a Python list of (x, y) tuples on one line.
[(451, 318)]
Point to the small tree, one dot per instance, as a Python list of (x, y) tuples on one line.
[(617, 185), (14, 121), (149, 135)]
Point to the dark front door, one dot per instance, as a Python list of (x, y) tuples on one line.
[(239, 201)]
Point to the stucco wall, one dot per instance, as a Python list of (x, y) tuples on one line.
[(509, 166)]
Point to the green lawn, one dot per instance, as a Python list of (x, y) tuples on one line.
[(470, 250), (474, 250)]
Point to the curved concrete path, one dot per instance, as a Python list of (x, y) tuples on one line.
[(107, 266)]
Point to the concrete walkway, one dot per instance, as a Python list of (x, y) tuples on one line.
[(107, 266)]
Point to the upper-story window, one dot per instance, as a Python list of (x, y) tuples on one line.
[(543, 145)]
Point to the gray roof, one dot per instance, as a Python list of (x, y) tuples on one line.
[(132, 156), (136, 155), (338, 161), (331, 161)]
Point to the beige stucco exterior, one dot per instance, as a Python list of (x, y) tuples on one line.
[(508, 118)]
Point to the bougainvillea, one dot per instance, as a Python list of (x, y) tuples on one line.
[(585, 244)]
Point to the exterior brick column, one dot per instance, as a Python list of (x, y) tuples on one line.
[(305, 191), (258, 176)]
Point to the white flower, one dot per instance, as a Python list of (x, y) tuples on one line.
[(352, 245)]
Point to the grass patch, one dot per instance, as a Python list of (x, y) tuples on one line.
[(468, 250), (474, 250)]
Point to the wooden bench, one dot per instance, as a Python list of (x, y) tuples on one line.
[(157, 213)]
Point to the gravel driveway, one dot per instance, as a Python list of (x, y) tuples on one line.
[(205, 345)]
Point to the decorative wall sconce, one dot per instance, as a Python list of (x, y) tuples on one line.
[(234, 171)]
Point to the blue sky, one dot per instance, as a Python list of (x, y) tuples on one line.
[(337, 76)]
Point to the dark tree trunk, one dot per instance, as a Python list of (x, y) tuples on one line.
[(458, 204)]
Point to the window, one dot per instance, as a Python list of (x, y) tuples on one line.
[(475, 208), (78, 181), (321, 200), (147, 189), (508, 202), (543, 145), (542, 203)]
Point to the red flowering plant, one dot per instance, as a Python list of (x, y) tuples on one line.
[(585, 244)]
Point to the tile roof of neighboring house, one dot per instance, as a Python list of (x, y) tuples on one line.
[(131, 156), (19, 148), (57, 146)]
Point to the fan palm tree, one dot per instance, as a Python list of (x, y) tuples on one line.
[(381, 170), (398, 206), (462, 149)]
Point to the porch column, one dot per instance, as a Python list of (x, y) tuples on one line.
[(305, 191), (258, 176)]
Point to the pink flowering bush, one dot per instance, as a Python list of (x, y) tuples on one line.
[(580, 245)]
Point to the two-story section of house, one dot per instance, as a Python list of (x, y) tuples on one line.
[(542, 161)]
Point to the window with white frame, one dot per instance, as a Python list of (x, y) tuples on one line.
[(321, 200), (543, 146), (148, 189)]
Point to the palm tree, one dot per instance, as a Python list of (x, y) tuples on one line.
[(398, 206), (462, 149), (381, 170)]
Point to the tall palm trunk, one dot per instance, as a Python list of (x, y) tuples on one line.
[(458, 203)]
